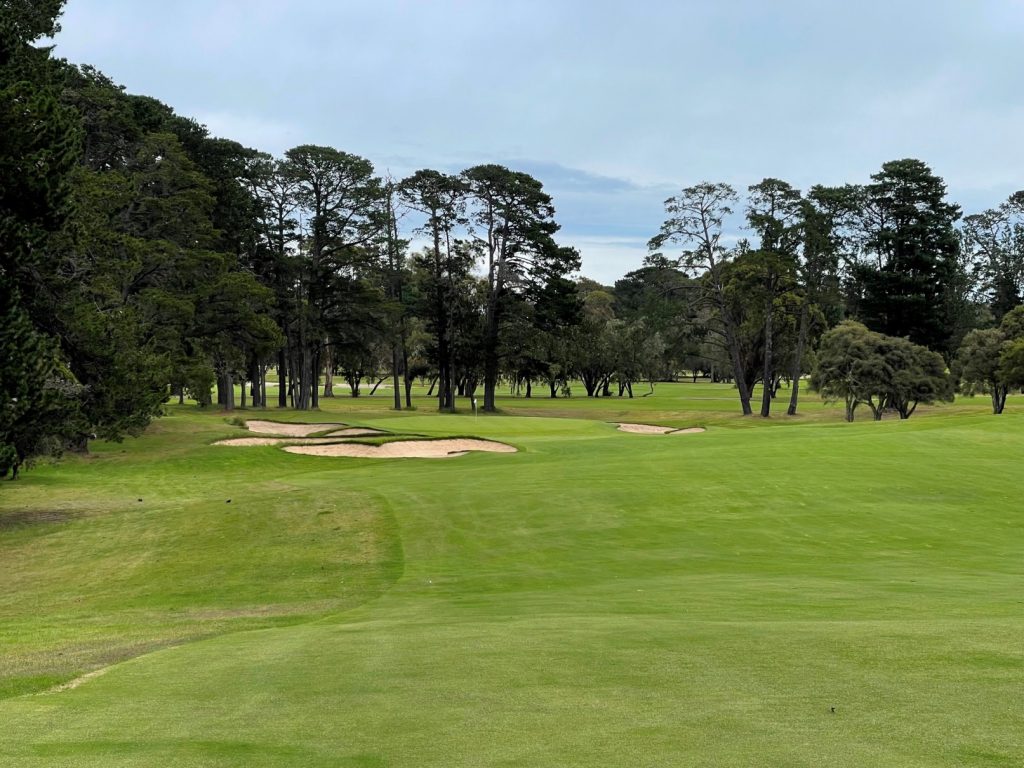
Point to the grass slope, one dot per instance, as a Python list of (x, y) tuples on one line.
[(599, 598)]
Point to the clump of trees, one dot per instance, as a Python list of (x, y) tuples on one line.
[(858, 366), (991, 360), (143, 259)]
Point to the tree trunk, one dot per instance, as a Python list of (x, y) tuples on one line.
[(798, 361), (314, 381), (999, 393), (406, 377), (396, 376), (282, 378), (767, 373), (490, 366), (732, 341), (226, 391), (328, 372), (851, 406)]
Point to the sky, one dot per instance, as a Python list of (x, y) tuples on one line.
[(614, 106)]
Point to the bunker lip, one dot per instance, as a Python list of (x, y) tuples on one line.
[(281, 429), (404, 449), (653, 429), (248, 442)]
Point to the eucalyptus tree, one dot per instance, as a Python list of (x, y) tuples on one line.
[(392, 248), (694, 224), (817, 276), (274, 258), (994, 240), (773, 213), (441, 200), (513, 229), (338, 195), (665, 300)]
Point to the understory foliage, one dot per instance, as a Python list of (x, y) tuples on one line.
[(142, 258)]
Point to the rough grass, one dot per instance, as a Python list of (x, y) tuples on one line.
[(596, 599)]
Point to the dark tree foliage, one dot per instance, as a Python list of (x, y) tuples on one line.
[(513, 227), (860, 366), (39, 146), (910, 254)]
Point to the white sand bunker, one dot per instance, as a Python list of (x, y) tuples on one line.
[(651, 429), (356, 432), (248, 442), (288, 430), (404, 449)]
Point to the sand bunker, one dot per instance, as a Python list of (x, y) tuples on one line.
[(403, 449), (651, 429), (248, 442), (288, 430), (356, 432)]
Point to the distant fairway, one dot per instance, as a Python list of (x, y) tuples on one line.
[(801, 592)]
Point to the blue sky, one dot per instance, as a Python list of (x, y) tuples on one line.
[(612, 105)]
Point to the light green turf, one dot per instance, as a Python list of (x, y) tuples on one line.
[(597, 599)]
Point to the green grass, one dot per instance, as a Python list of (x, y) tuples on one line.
[(597, 599)]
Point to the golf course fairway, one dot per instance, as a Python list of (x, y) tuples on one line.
[(799, 592)]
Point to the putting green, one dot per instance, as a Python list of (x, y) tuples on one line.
[(809, 593)]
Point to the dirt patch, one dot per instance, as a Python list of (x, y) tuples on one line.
[(22, 518), (70, 684), (652, 429), (288, 430), (246, 442), (404, 449)]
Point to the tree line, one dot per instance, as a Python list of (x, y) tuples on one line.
[(143, 258)]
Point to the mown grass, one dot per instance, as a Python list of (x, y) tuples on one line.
[(598, 598)]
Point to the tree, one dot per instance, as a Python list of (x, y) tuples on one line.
[(977, 366), (773, 213), (39, 147), (994, 239), (514, 227), (694, 223), (441, 199), (593, 343), (918, 376), (1011, 358), (339, 195), (857, 365), (273, 257), (817, 277), (910, 255), (664, 299)]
